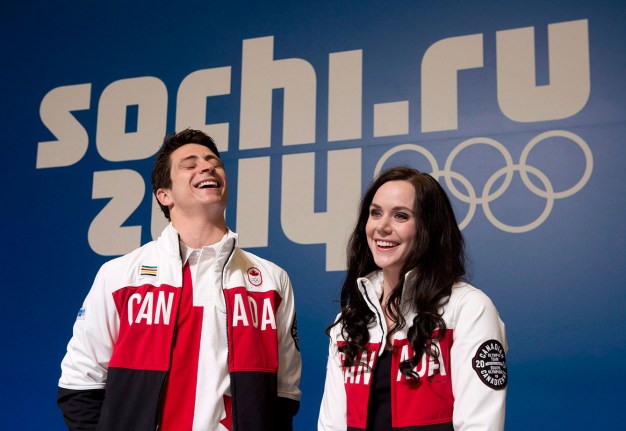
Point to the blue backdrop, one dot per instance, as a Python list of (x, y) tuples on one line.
[(517, 107)]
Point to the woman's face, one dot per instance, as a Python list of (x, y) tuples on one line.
[(391, 227)]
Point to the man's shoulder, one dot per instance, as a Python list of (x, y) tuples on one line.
[(251, 257), (149, 249), (247, 260)]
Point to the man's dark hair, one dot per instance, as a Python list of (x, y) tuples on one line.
[(161, 172)]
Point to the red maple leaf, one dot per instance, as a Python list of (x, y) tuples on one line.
[(228, 420)]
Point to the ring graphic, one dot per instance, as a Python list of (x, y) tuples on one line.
[(508, 171)]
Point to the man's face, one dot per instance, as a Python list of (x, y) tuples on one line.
[(198, 183)]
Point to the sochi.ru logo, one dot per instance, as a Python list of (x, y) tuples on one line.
[(316, 204)]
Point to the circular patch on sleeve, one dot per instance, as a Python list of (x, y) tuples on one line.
[(489, 362), (294, 333)]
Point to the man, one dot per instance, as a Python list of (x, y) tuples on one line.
[(188, 332)]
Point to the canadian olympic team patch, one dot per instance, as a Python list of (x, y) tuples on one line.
[(490, 364), (254, 276)]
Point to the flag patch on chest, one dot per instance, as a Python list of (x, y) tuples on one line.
[(147, 270)]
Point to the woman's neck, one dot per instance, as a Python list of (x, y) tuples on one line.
[(390, 281)]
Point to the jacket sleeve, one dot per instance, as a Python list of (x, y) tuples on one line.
[(85, 365), (289, 360), (333, 409), (81, 409), (478, 365)]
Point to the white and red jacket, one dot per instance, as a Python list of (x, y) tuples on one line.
[(118, 360), (465, 390)]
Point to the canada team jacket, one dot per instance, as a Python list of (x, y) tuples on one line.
[(465, 390), (118, 359)]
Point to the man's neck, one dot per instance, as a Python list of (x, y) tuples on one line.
[(197, 233)]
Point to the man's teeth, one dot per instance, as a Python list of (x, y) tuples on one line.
[(386, 244), (207, 184)]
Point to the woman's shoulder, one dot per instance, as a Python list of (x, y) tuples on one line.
[(465, 292), (465, 297)]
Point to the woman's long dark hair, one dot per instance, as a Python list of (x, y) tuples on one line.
[(436, 261)]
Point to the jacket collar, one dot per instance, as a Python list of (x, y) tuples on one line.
[(169, 242), (371, 286)]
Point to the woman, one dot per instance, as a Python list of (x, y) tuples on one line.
[(414, 347)]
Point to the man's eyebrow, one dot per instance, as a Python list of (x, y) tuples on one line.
[(196, 157), (188, 158)]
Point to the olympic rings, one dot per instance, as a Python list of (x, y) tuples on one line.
[(508, 171), (577, 140)]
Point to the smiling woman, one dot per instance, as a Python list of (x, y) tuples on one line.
[(391, 229), (409, 324)]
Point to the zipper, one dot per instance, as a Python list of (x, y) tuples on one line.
[(157, 421), (382, 346), (232, 394), (380, 320)]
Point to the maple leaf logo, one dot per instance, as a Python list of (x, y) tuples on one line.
[(255, 277)]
